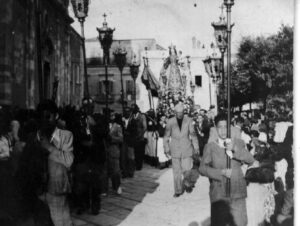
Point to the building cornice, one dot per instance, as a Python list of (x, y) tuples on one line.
[(120, 40)]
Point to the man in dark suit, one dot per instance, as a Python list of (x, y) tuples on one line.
[(180, 141), (137, 126)]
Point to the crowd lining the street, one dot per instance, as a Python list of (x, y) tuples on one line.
[(56, 159)]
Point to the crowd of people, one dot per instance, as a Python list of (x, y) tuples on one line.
[(56, 159), (261, 172)]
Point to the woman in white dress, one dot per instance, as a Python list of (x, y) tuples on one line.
[(162, 158), (260, 197), (151, 135)]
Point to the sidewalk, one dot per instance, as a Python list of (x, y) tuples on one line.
[(147, 199)]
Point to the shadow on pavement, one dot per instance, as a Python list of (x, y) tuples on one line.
[(115, 208)]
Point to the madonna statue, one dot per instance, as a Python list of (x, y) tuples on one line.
[(170, 77)]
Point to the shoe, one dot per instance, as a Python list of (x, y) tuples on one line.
[(177, 195), (119, 191), (189, 189), (162, 165)]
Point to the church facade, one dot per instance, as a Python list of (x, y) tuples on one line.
[(40, 54)]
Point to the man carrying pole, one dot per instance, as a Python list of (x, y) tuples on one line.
[(221, 163)]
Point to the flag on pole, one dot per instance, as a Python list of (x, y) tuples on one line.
[(150, 81)]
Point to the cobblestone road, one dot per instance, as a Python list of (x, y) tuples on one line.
[(147, 199)]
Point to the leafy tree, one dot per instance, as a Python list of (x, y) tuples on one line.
[(264, 68)]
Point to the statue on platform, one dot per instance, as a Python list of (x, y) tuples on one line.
[(170, 74), (174, 83)]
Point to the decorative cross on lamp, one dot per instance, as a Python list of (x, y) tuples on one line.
[(105, 38)]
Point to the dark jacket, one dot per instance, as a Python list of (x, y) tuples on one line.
[(136, 128)]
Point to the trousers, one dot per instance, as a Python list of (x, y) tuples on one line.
[(180, 165), (139, 153)]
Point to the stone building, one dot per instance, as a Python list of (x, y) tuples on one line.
[(205, 93), (40, 54)]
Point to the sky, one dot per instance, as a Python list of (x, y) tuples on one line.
[(177, 21)]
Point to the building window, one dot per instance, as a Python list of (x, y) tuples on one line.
[(198, 80)]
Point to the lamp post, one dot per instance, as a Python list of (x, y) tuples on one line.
[(80, 8), (120, 59), (216, 76), (134, 71), (228, 4), (106, 38)]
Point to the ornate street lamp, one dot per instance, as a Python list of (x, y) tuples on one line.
[(80, 8), (212, 67), (105, 38), (216, 65), (216, 69), (220, 32), (120, 59), (134, 71)]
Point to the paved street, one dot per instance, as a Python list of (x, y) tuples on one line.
[(147, 199)]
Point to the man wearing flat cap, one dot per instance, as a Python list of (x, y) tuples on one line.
[(180, 141)]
